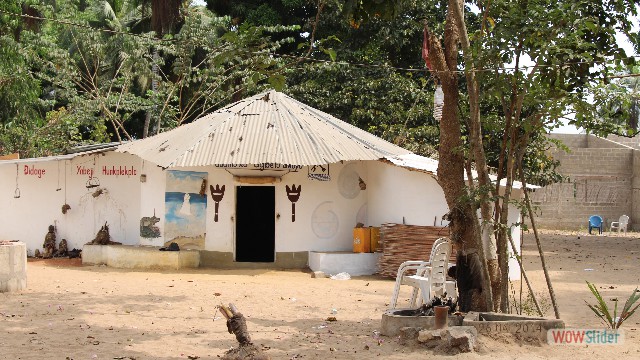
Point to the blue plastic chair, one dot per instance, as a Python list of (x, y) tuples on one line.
[(595, 222)]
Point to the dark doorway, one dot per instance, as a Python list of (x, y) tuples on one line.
[(255, 223)]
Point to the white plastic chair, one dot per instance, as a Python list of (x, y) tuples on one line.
[(430, 278), (420, 267), (620, 225)]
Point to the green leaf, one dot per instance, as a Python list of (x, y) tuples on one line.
[(601, 309), (277, 81), (628, 308), (332, 53), (255, 78)]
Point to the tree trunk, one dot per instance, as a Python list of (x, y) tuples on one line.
[(147, 122), (503, 251), (165, 15), (462, 215), (486, 251)]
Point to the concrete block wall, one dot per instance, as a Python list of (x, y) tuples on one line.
[(635, 193), (573, 141), (598, 142), (633, 142), (601, 182)]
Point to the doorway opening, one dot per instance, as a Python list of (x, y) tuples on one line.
[(255, 223)]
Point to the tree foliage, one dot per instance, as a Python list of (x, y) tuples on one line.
[(354, 73), (94, 71), (528, 67)]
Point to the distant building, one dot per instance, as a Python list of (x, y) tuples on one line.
[(604, 179)]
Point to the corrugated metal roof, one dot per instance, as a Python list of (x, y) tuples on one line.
[(428, 165), (100, 148), (416, 162), (267, 128)]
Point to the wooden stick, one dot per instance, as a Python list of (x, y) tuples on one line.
[(524, 274), (552, 294), (233, 309), (226, 312)]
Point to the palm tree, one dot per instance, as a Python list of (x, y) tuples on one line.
[(165, 16)]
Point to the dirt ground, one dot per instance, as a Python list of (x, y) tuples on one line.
[(70, 311)]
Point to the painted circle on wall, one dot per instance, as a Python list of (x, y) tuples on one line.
[(362, 217), (324, 222), (349, 182)]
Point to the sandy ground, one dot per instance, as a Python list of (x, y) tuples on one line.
[(77, 312)]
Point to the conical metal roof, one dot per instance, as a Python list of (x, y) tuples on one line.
[(266, 128)]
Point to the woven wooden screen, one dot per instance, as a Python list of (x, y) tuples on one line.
[(401, 243)]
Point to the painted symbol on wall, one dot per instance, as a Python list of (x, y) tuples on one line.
[(324, 221), (148, 228), (203, 188), (349, 182), (185, 209), (319, 172), (217, 194), (185, 218), (293, 194), (92, 182), (361, 216)]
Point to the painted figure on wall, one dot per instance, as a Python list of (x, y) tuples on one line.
[(185, 211), (319, 172), (293, 193), (148, 228), (217, 193)]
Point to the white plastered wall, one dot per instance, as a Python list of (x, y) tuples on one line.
[(399, 194), (325, 217), (65, 181), (326, 212), (152, 199), (39, 204)]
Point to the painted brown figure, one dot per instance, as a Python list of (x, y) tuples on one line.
[(49, 245), (293, 193), (217, 193), (203, 188)]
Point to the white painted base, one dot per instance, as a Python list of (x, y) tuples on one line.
[(356, 264), (139, 257), (13, 267)]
